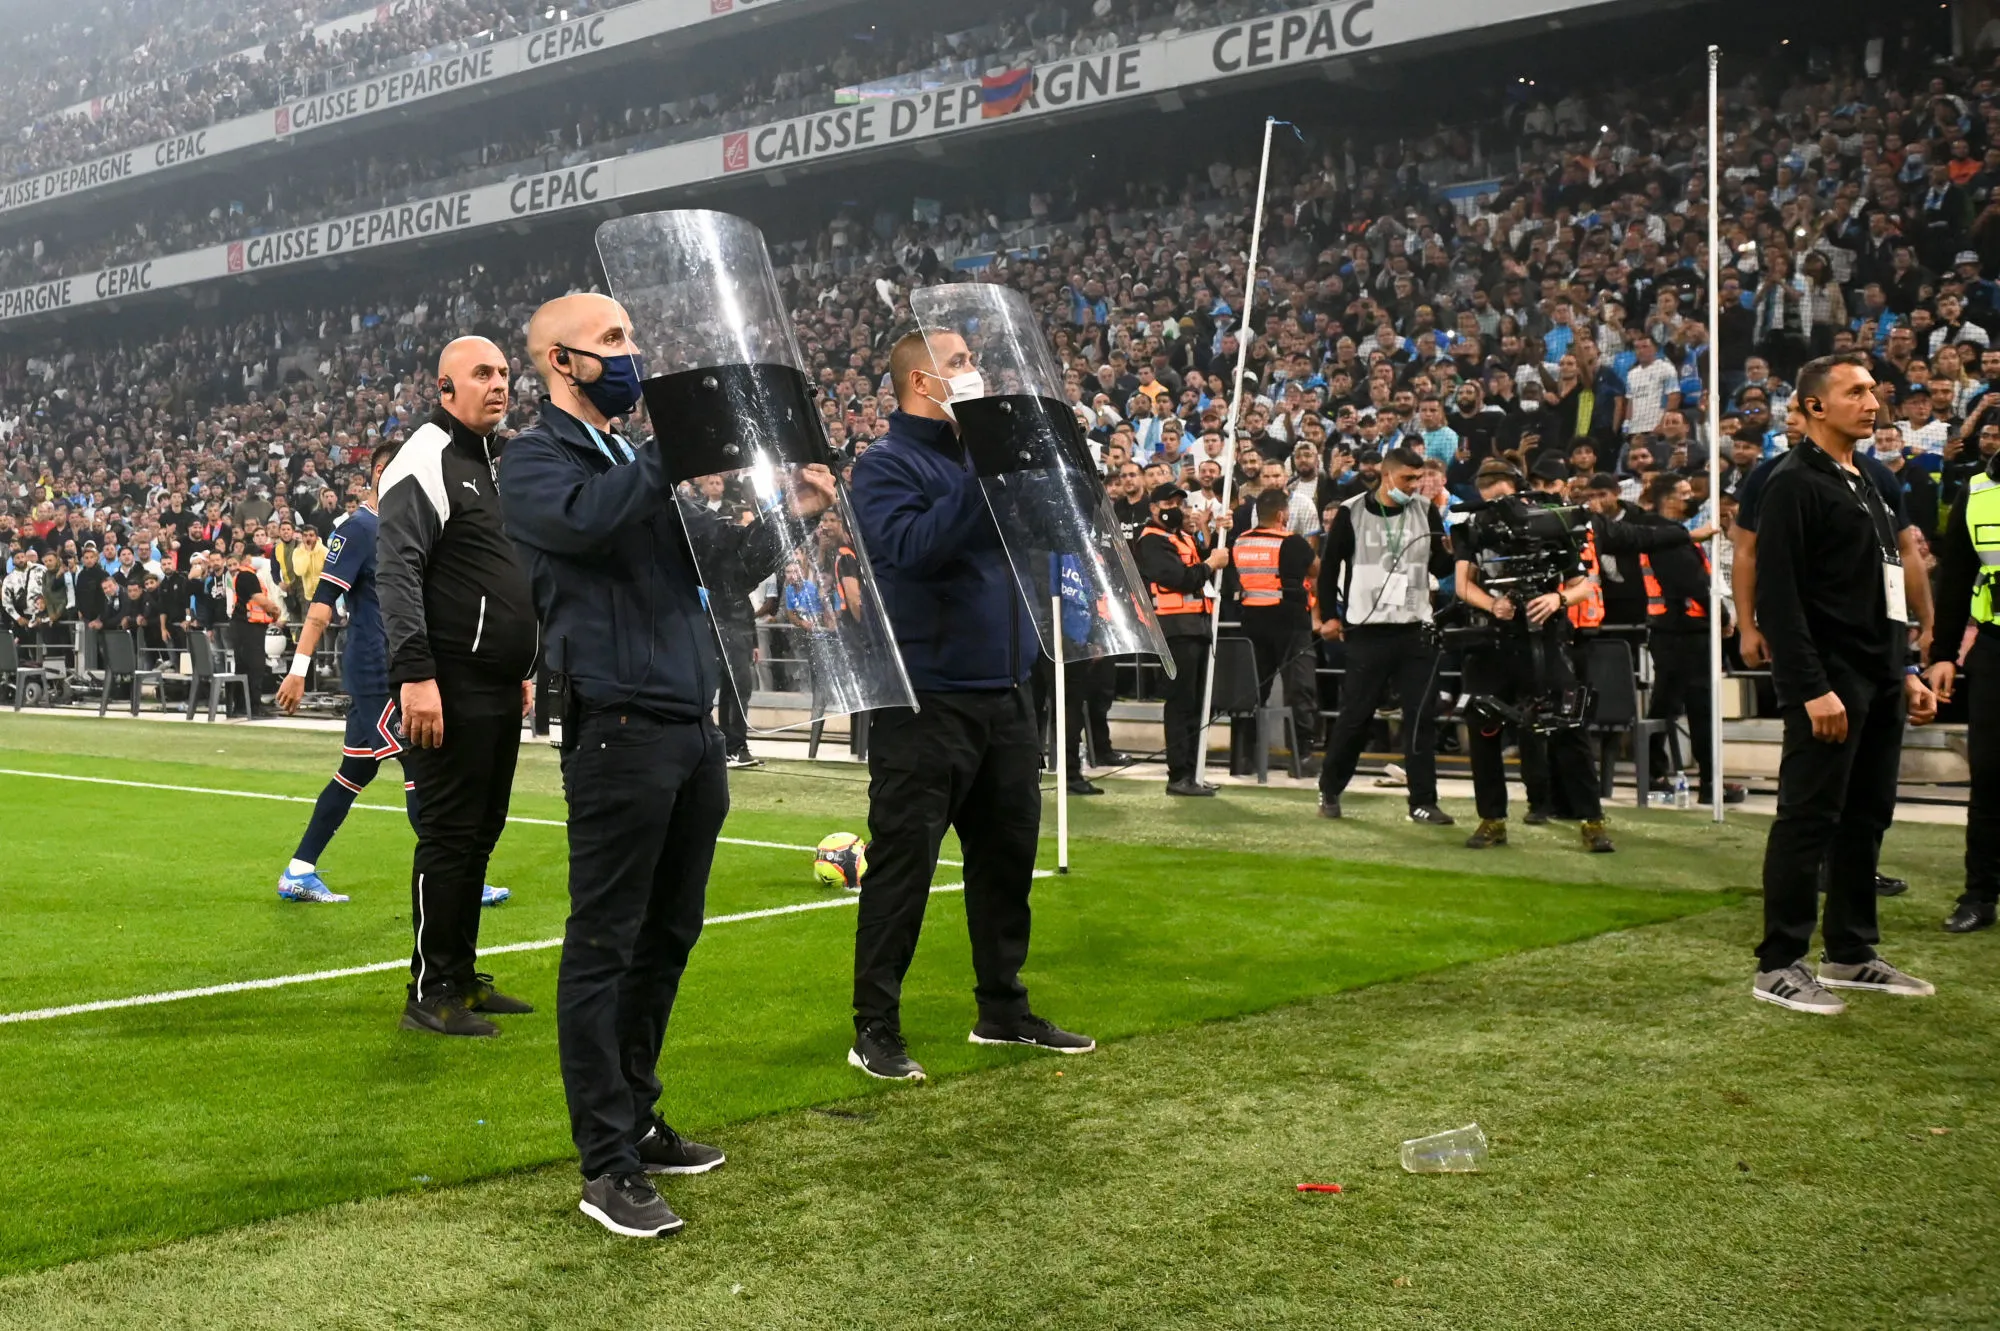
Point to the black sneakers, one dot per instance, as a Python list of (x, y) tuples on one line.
[(879, 1051), (742, 757), (445, 1013), (1329, 808), (1431, 814), (1190, 788), (627, 1204), (485, 998), (1030, 1030), (664, 1151), (1970, 915)]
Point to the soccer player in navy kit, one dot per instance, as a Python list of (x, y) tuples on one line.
[(374, 723)]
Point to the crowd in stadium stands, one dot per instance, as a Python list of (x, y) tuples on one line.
[(1561, 317), (772, 85), (192, 68)]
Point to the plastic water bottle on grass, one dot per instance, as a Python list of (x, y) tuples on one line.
[(1682, 799), (1460, 1151)]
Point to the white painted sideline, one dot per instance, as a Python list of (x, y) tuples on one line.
[(401, 963), (372, 808)]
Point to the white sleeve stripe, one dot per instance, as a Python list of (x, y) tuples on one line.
[(422, 459)]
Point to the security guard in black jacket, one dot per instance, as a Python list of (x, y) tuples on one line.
[(613, 560), (461, 640)]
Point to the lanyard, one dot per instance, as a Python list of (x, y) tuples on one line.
[(1862, 489), (605, 448)]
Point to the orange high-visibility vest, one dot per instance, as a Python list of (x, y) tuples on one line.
[(1167, 601), (1256, 557), (1656, 600), (1589, 612)]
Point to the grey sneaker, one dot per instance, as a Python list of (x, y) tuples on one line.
[(1794, 987), (1875, 974)]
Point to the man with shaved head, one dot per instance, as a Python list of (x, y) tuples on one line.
[(460, 624), (618, 568), (968, 756)]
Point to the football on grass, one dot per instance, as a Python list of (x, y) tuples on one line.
[(840, 861)]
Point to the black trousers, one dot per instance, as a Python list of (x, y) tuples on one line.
[(462, 788), (1086, 702), (969, 761), (1834, 803), (1181, 708), (1398, 654), (739, 661), (646, 801), (1681, 684), (1982, 733), (1508, 673), (246, 644), (1284, 651)]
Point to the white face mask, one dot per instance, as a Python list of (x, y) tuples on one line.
[(1530, 404), (970, 384)]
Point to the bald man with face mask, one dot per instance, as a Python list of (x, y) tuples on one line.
[(461, 633), (617, 565)]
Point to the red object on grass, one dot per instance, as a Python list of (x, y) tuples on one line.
[(1319, 1187)]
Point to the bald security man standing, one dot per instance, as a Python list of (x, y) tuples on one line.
[(461, 636), (616, 581)]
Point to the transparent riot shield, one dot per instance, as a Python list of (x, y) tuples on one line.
[(729, 400), (1055, 518)]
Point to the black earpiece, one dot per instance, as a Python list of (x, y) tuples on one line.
[(446, 388), (562, 356), (1814, 404)]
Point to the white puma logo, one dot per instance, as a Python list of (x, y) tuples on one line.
[(471, 485)]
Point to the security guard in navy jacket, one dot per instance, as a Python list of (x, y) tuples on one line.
[(613, 562), (969, 756)]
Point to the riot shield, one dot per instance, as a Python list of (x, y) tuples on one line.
[(1041, 483), (728, 397)]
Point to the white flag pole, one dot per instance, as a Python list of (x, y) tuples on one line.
[(1061, 741), (1243, 335), (1712, 760)]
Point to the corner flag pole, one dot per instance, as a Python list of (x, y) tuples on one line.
[(1060, 742), (1712, 760), (1243, 336)]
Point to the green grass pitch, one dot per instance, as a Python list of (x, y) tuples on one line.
[(1280, 1000)]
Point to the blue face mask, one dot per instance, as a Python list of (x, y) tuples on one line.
[(616, 391), (1398, 498)]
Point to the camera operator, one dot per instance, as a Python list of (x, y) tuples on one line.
[(1526, 659)]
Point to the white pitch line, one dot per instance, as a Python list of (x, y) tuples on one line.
[(372, 808), (402, 963)]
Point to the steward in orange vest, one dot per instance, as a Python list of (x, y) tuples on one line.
[(1177, 565)]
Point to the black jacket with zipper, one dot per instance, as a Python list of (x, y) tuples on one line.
[(617, 566), (455, 600)]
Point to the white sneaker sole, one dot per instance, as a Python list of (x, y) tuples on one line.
[(1900, 991), (598, 1215), (687, 1169), (1764, 996), (974, 1037), (854, 1061)]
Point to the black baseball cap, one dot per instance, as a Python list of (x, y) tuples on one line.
[(1549, 467), (1162, 493)]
